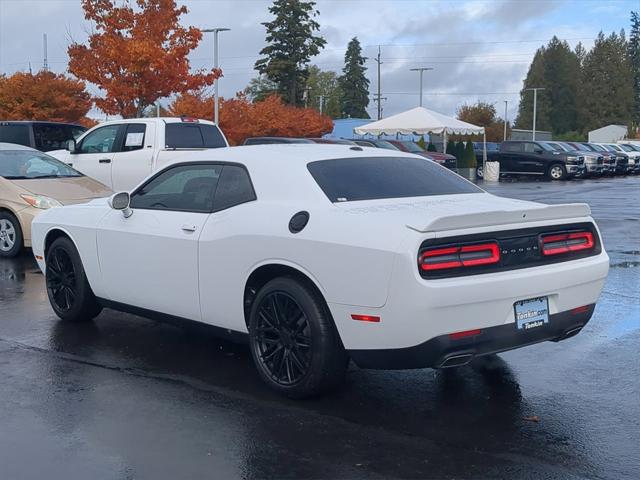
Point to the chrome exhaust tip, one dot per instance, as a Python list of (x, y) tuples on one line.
[(456, 360)]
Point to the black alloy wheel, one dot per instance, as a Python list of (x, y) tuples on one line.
[(61, 279), (294, 342), (283, 339), (68, 289)]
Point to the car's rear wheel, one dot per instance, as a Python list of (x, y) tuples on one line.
[(293, 340), (68, 289), (10, 235), (557, 171)]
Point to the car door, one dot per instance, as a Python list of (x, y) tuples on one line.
[(133, 162), (507, 156), (94, 153), (150, 259), (532, 159), (224, 244)]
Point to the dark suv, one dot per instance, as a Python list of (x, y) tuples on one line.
[(43, 136), (538, 158)]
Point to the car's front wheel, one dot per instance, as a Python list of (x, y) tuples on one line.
[(293, 340), (557, 171), (68, 289), (10, 235)]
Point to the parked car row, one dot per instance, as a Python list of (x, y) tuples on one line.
[(561, 160), (444, 159)]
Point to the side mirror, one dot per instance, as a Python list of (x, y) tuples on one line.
[(71, 146), (120, 201), (538, 151)]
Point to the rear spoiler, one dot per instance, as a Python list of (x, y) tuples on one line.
[(503, 217)]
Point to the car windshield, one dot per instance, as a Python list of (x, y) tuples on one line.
[(546, 147), (627, 148), (386, 145), (580, 147), (589, 147), (597, 148), (28, 164), (557, 147), (412, 146), (371, 178)]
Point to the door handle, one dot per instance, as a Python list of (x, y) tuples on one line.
[(104, 160), (189, 228)]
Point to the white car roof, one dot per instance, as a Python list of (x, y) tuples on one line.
[(14, 146), (279, 172)]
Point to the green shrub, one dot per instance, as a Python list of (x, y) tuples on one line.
[(469, 158), (451, 147), (431, 147)]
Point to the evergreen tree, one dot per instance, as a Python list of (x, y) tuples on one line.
[(535, 78), (431, 147), (260, 88), (324, 88), (561, 73), (634, 59), (291, 44), (606, 95), (354, 83), (451, 147), (459, 150)]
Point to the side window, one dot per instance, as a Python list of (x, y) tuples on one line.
[(51, 137), (212, 136), (234, 188), (101, 140), (183, 135), (15, 133), (513, 147), (182, 188), (134, 137), (530, 147)]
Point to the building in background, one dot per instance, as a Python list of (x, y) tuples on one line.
[(608, 134), (518, 134)]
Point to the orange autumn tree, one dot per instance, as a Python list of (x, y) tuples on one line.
[(137, 54), (241, 119), (43, 96)]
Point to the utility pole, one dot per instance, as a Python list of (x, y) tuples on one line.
[(45, 64), (421, 70), (505, 120), (305, 96), (378, 95), (321, 103), (535, 105), (215, 32)]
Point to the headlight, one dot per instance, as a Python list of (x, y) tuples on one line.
[(40, 201)]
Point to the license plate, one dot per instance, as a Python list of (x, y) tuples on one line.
[(531, 313)]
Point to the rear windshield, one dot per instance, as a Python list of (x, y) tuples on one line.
[(352, 179), (15, 133), (193, 135)]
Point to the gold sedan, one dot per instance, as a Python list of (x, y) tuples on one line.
[(30, 182)]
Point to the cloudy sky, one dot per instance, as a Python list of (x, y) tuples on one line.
[(479, 49)]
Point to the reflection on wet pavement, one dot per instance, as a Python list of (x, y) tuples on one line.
[(126, 397)]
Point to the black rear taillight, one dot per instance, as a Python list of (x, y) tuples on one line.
[(459, 256), (560, 243)]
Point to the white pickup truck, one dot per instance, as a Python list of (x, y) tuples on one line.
[(121, 153)]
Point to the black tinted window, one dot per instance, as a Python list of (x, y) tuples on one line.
[(512, 147), (134, 137), (15, 134), (52, 137), (350, 179), (183, 188), (234, 188), (193, 135)]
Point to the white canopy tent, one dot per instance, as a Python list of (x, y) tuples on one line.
[(421, 121)]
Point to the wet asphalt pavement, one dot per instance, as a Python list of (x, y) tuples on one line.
[(125, 397)]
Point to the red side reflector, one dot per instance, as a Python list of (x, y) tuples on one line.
[(365, 318), (556, 244), (465, 334), (579, 310), (462, 256)]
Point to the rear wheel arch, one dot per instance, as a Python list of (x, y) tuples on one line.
[(267, 272)]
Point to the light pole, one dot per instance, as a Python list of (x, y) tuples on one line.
[(421, 70), (505, 120), (535, 105), (215, 32)]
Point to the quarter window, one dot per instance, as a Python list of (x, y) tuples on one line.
[(183, 188), (512, 147), (101, 140), (15, 133), (193, 135), (234, 188)]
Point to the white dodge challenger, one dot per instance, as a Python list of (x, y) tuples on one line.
[(317, 254)]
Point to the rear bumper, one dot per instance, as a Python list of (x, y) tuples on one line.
[(444, 352)]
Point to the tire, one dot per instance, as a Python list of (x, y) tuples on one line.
[(557, 171), (11, 239), (294, 343), (479, 172), (68, 289)]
